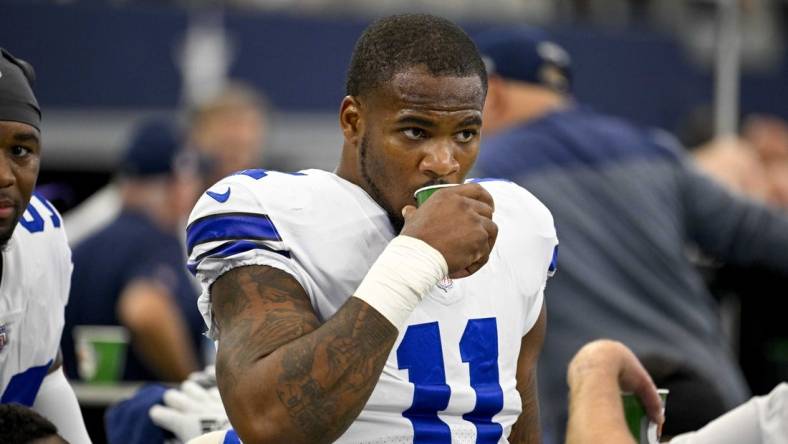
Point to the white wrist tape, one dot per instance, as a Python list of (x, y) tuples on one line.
[(406, 270)]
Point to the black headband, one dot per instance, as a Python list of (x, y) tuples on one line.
[(17, 101)]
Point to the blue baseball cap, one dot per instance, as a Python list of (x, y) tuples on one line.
[(152, 150), (525, 54)]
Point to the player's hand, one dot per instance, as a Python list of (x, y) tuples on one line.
[(603, 360), (190, 411), (457, 221)]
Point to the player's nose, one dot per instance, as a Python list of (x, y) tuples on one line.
[(439, 160)]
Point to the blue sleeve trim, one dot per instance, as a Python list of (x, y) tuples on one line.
[(23, 387), (230, 249), (553, 267), (230, 226)]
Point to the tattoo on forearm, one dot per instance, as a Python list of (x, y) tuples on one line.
[(325, 375), (352, 349)]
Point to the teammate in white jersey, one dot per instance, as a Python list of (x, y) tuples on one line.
[(35, 265), (344, 313)]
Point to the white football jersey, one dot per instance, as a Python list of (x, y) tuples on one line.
[(451, 373), (33, 294)]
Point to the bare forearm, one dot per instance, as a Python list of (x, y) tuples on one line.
[(167, 350), (527, 429), (596, 413), (159, 333), (311, 388), (596, 376)]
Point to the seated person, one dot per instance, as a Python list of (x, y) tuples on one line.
[(131, 273)]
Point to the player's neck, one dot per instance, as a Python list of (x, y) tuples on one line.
[(348, 167)]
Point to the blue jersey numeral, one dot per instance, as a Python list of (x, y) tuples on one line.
[(32, 221), (421, 354), (479, 348)]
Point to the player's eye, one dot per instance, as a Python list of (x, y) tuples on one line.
[(20, 151), (465, 136), (414, 133)]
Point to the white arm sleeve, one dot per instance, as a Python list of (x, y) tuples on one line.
[(57, 402), (761, 420)]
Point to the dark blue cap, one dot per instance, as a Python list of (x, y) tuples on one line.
[(152, 149), (526, 54)]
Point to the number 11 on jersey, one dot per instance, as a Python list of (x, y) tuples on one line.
[(421, 354)]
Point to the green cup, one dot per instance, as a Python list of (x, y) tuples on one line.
[(641, 427), (101, 352), (424, 193)]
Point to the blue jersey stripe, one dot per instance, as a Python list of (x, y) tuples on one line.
[(230, 226), (231, 437), (23, 387), (229, 249)]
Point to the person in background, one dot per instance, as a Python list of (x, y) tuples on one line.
[(131, 273), (602, 369), (627, 202), (768, 135), (229, 132), (35, 264)]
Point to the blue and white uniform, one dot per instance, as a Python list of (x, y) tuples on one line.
[(33, 293), (451, 374)]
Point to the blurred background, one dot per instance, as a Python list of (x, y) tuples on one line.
[(102, 65), (700, 69)]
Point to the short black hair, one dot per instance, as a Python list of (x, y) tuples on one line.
[(393, 44), (20, 425)]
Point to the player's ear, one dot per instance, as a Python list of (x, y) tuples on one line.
[(350, 119)]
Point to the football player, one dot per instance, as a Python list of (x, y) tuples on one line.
[(35, 264), (343, 312)]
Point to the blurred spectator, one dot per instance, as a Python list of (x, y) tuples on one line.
[(734, 162), (21, 425), (230, 131), (132, 272), (754, 163), (626, 201), (768, 136)]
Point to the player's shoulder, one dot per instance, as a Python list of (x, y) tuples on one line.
[(512, 201), (256, 190)]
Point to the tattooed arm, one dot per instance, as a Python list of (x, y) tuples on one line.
[(283, 376), (527, 429)]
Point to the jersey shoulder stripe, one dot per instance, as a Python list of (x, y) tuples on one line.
[(230, 226), (228, 249)]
